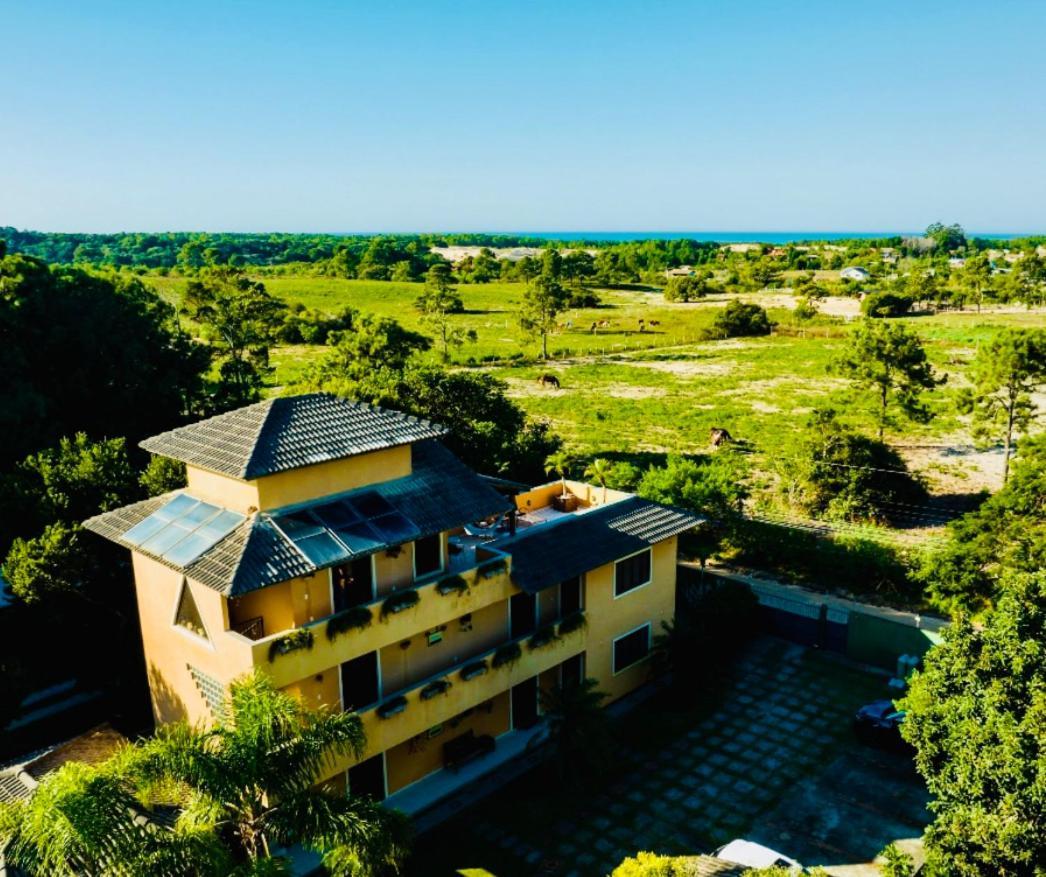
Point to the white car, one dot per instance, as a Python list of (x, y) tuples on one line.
[(753, 855)]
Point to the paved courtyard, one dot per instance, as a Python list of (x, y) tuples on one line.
[(774, 761)]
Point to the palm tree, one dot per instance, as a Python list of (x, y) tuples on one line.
[(559, 462), (578, 727), (599, 471), (231, 796)]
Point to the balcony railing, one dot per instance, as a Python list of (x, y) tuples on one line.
[(327, 642), (412, 710), (252, 628)]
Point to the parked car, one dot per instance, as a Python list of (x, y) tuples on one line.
[(879, 724), (753, 855)]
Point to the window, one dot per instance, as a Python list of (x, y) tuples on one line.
[(188, 614), (572, 671), (631, 573), (569, 596), (631, 648), (428, 556)]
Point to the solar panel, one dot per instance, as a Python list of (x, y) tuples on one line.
[(360, 537), (182, 529), (322, 549), (299, 525)]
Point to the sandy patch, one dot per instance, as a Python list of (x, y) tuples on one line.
[(630, 391), (683, 368), (819, 386), (764, 408), (956, 468)]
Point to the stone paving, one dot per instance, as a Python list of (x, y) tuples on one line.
[(785, 718)]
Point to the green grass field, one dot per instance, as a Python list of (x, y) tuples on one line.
[(659, 391)]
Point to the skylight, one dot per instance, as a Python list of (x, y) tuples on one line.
[(182, 529)]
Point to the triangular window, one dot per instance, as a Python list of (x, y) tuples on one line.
[(188, 614)]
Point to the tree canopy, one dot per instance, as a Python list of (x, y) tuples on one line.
[(976, 715), (83, 352)]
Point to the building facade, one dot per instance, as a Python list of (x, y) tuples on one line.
[(344, 552)]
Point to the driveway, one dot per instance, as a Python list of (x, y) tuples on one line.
[(774, 761)]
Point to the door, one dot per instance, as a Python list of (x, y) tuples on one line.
[(353, 584), (569, 596), (359, 681), (525, 704), (523, 609), (368, 777), (572, 671)]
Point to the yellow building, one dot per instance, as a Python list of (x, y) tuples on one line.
[(342, 550)]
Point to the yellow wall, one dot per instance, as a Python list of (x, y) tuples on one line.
[(587, 494), (299, 485), (170, 648), (392, 572), (413, 760), (319, 691), (608, 617), (285, 605), (402, 667)]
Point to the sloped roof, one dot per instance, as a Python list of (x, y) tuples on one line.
[(569, 546), (288, 432), (440, 493)]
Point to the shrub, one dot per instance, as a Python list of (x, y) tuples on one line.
[(687, 288), (492, 568), (886, 304), (574, 621), (300, 638), (356, 618), (738, 320), (454, 584), (398, 601), (507, 654), (434, 689), (653, 865), (471, 671), (392, 707), (542, 637)]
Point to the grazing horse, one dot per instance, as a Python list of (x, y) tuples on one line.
[(719, 436), (653, 322), (547, 380), (604, 324)]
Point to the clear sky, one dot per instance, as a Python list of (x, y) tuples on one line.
[(400, 116)]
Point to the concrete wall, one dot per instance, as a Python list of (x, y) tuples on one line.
[(879, 641)]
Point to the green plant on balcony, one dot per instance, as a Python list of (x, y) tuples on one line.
[(491, 568), (507, 654), (543, 636), (300, 638), (354, 618), (471, 671), (574, 621), (434, 689), (393, 706), (454, 584), (398, 601)]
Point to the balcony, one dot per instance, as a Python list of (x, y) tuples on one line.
[(413, 710), (305, 651)]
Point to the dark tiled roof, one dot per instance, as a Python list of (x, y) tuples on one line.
[(440, 493), (549, 553), (289, 432)]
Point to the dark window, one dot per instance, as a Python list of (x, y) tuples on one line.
[(631, 648), (427, 556), (368, 778), (572, 671), (359, 681), (353, 584), (631, 572), (569, 596), (522, 609), (525, 703), (188, 614)]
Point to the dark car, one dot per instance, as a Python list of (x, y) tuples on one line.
[(879, 724)]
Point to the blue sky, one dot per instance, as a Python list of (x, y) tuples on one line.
[(398, 116)]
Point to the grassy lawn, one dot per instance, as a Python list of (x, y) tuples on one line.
[(685, 781)]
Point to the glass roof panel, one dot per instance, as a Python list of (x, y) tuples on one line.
[(360, 537), (177, 507), (166, 538), (371, 504), (166, 532), (222, 525), (322, 549), (200, 514), (336, 514), (298, 525), (395, 528), (144, 529), (189, 548)]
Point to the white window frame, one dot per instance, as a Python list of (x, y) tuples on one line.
[(613, 648), (442, 559), (650, 578)]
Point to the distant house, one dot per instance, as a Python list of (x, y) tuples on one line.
[(681, 271), (956, 262), (854, 272)]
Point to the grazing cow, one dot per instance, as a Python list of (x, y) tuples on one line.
[(604, 324), (547, 380), (653, 322), (719, 436)]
